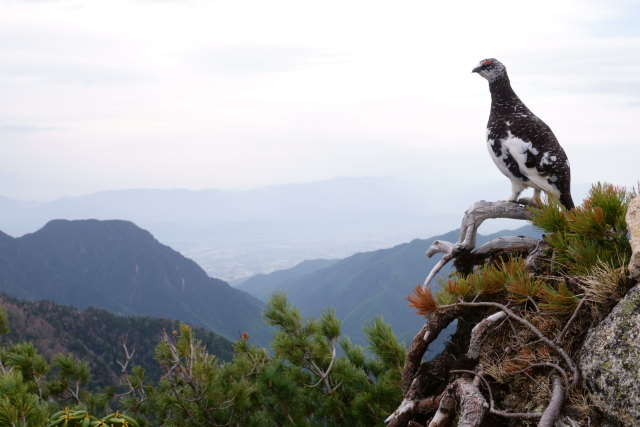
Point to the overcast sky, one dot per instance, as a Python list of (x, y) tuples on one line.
[(240, 93)]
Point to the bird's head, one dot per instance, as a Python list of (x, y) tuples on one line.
[(491, 69)]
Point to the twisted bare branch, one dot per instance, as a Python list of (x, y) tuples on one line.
[(429, 332), (473, 218), (567, 359), (467, 396), (324, 375), (552, 412), (478, 333)]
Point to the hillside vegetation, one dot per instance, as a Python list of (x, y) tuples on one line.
[(96, 336)]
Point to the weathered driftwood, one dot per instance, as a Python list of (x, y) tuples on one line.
[(482, 210), (477, 213)]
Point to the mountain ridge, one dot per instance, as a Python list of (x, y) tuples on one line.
[(118, 266), (235, 234), (367, 284)]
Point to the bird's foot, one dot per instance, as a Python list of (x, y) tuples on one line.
[(510, 200), (529, 201), (526, 201)]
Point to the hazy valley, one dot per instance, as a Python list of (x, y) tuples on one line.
[(234, 235), (117, 266)]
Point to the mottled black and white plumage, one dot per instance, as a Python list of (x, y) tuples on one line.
[(521, 145)]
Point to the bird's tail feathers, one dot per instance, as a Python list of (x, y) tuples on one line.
[(567, 201)]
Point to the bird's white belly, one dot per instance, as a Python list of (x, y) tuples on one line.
[(499, 161), (515, 149)]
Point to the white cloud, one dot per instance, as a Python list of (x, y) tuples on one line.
[(239, 59), (227, 93)]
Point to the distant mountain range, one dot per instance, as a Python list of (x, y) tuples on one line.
[(262, 286), (95, 335), (363, 285), (234, 235), (120, 267)]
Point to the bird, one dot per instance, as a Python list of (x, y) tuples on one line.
[(522, 146)]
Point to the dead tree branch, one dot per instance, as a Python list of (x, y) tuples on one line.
[(482, 210), (472, 403), (570, 321), (429, 332), (479, 331), (570, 363), (324, 375), (465, 394), (473, 218), (138, 390), (446, 412), (492, 408), (550, 415), (463, 397), (410, 408)]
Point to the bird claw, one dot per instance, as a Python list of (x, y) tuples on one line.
[(529, 201), (526, 201)]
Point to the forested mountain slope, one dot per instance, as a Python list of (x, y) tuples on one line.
[(95, 336), (122, 268), (365, 285)]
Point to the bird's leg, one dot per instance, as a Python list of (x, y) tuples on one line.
[(536, 197), (535, 200), (516, 189)]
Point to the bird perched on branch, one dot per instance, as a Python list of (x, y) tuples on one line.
[(522, 146)]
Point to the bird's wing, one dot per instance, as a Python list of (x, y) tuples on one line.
[(522, 152)]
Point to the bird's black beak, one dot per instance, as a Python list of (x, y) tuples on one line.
[(478, 68)]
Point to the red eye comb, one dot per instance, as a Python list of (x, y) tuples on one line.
[(487, 62)]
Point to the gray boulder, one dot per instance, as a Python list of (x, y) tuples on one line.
[(610, 362)]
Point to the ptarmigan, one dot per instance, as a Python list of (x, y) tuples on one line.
[(521, 145)]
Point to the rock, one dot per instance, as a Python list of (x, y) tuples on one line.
[(610, 362), (633, 225)]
